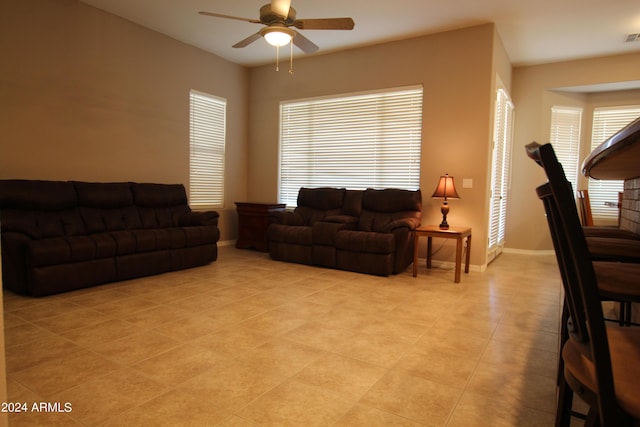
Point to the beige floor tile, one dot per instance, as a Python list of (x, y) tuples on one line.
[(344, 375), (43, 308), (35, 352), (100, 333), (72, 320), (188, 328), (61, 373), (24, 334), (454, 340), (100, 399), (295, 404), (379, 350), (154, 316), (280, 357), (315, 335), (479, 411), (233, 341), (232, 385), (274, 322), (514, 387), (437, 366), (365, 416), (248, 341), (179, 364), (136, 347), (412, 397), (175, 408), (125, 307)]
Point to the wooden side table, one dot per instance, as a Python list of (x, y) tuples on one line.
[(253, 220), (431, 231)]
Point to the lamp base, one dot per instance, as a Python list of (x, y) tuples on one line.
[(445, 210)]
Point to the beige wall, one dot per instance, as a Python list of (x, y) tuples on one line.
[(88, 96), (534, 92), (456, 69)]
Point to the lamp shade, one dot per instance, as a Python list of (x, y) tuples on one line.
[(446, 188), (277, 36)]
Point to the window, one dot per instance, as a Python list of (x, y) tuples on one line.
[(606, 122), (207, 126), (565, 138), (370, 140), (500, 172)]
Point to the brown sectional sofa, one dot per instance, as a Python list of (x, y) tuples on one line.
[(62, 235), (368, 231)]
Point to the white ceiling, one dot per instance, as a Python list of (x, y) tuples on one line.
[(533, 31)]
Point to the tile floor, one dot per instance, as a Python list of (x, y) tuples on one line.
[(251, 341)]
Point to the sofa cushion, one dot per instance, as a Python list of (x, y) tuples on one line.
[(380, 208), (37, 195), (391, 200), (159, 195), (104, 195), (300, 235), (321, 198), (99, 220), (363, 241)]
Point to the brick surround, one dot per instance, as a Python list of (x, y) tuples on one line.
[(630, 217)]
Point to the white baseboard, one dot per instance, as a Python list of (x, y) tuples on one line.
[(226, 243), (528, 252)]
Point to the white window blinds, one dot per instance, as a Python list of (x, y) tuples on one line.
[(501, 170), (370, 140), (565, 138), (207, 126), (606, 122)]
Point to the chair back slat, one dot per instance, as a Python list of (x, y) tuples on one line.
[(578, 276)]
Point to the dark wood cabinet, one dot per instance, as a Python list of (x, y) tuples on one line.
[(253, 220)]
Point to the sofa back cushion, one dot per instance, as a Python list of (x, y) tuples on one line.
[(381, 207), (37, 195), (160, 205), (40, 208), (107, 206), (314, 204)]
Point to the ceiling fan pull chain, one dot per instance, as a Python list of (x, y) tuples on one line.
[(291, 59), (277, 58)]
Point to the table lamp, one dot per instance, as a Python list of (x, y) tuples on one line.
[(445, 189)]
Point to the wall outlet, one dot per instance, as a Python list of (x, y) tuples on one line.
[(467, 183)]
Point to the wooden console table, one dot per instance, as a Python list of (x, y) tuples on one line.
[(431, 231), (253, 220)]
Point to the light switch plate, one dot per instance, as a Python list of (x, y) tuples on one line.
[(467, 183)]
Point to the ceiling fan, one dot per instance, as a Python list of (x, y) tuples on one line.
[(277, 17)]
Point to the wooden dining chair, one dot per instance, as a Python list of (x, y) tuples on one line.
[(591, 230), (600, 362)]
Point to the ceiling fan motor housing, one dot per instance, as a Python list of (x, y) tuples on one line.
[(268, 17)]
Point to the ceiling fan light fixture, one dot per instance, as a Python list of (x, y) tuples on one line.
[(277, 35)]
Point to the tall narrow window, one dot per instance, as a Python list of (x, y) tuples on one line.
[(500, 172), (355, 141), (565, 138), (207, 126), (606, 122)]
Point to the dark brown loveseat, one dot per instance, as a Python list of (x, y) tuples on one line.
[(59, 236), (368, 231)]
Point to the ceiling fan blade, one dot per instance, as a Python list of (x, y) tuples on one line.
[(281, 7), (248, 40), (325, 24), (306, 45), (218, 15)]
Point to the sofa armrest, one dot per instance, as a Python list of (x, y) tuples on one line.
[(410, 223), (195, 218)]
